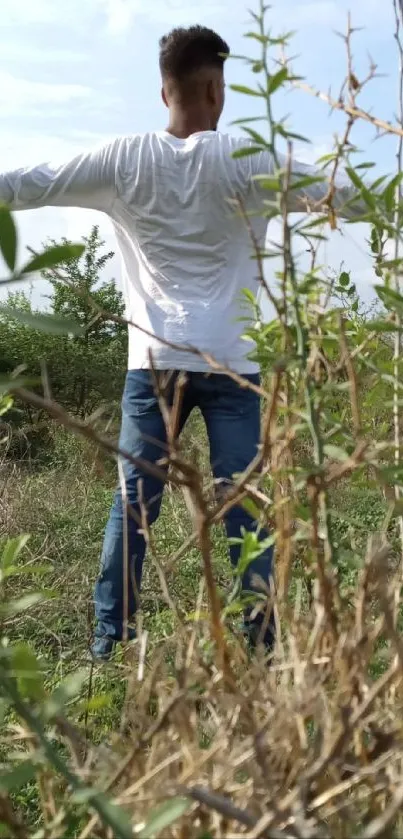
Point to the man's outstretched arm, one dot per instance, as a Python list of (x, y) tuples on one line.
[(88, 180)]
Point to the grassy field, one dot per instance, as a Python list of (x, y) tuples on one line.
[(64, 508), (63, 504)]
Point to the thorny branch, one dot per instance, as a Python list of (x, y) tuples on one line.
[(350, 110), (317, 719), (398, 11)]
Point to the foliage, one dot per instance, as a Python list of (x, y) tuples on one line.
[(208, 742), (85, 364), (77, 290)]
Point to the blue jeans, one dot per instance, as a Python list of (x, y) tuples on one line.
[(232, 417)]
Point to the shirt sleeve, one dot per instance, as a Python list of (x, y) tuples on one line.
[(305, 197), (88, 180)]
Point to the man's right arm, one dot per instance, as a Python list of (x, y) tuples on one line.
[(88, 181)]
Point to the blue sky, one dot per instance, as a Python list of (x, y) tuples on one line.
[(75, 74)]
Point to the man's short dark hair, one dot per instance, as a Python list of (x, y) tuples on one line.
[(183, 51)]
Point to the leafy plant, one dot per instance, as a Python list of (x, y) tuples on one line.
[(211, 743)]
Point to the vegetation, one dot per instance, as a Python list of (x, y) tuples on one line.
[(183, 734)]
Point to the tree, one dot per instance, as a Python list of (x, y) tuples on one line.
[(83, 371), (77, 286), (99, 351)]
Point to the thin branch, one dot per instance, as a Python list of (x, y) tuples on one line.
[(354, 111), (397, 222), (226, 808)]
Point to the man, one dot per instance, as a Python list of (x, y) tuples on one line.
[(186, 258)]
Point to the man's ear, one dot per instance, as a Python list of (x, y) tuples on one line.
[(211, 92), (163, 97)]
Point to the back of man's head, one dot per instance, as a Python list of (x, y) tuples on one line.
[(192, 69), (184, 52)]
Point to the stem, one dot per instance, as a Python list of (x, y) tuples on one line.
[(290, 278), (266, 72), (398, 340)]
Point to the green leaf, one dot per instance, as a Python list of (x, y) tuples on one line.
[(97, 703), (306, 181), (36, 570), (53, 256), (244, 120), (258, 36), (8, 237), (359, 184), (249, 91), (251, 508), (163, 816), (318, 222), (390, 298), (335, 452), (383, 326), (268, 183), (18, 776), (12, 550), (277, 80), (307, 284), (69, 689), (17, 607), (249, 295), (113, 815), (367, 165), (390, 192), (281, 39), (258, 138), (391, 474), (251, 548), (26, 669), (292, 135), (7, 383), (392, 263), (344, 279), (245, 151), (6, 402), (44, 323), (4, 706), (327, 158), (257, 67)]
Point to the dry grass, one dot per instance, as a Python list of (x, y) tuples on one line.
[(311, 745), (308, 743)]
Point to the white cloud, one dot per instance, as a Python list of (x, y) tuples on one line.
[(294, 14), (11, 51), (32, 148), (17, 94), (106, 23), (23, 11), (306, 14), (311, 152), (118, 15)]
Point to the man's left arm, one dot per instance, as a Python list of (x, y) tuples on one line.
[(308, 189)]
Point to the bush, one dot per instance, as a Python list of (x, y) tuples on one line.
[(185, 734), (83, 372)]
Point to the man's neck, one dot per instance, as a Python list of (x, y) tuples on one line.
[(183, 124)]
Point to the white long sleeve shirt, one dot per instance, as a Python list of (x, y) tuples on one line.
[(186, 253)]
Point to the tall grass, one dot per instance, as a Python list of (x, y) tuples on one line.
[(185, 733)]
